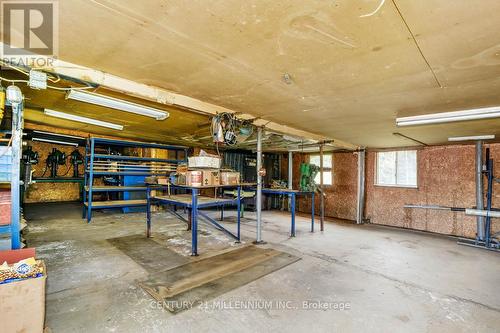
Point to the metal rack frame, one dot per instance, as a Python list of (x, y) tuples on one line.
[(91, 173), (293, 196), (193, 206)]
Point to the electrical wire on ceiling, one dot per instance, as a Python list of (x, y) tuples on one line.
[(417, 45), (375, 11), (49, 78)]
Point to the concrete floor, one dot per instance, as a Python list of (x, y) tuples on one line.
[(393, 280)]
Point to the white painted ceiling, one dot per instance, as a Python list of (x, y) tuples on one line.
[(351, 68)]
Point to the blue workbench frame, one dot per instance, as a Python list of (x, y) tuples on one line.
[(293, 195), (194, 206)]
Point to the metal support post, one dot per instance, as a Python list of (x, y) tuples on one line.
[(312, 212), (290, 174), (17, 132), (238, 232), (361, 187), (322, 197), (489, 197), (194, 222), (148, 211), (259, 186), (84, 194), (292, 233), (479, 189), (91, 180)]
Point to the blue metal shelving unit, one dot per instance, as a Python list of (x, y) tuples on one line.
[(125, 168)]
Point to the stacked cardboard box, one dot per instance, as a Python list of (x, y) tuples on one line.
[(5, 207), (22, 308), (230, 178)]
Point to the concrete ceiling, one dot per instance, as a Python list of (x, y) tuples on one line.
[(351, 69)]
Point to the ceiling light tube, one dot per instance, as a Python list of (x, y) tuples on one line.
[(117, 104), (471, 138), (80, 119), (446, 117)]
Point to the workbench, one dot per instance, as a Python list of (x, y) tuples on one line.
[(292, 194), (194, 203)]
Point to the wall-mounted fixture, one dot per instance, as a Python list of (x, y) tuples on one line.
[(117, 104), (61, 139), (80, 119), (471, 138), (447, 117)]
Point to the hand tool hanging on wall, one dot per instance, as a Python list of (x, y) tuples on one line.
[(54, 160), (29, 158), (76, 159)]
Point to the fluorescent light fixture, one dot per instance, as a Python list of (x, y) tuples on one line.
[(117, 104), (447, 117), (84, 120), (56, 142), (471, 138)]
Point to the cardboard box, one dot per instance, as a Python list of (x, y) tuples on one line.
[(212, 162), (205, 177), (194, 178), (22, 306), (5, 211), (211, 177), (163, 180), (230, 178)]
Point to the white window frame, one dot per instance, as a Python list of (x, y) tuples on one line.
[(396, 166), (324, 169)]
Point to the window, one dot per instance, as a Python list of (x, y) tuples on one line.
[(397, 168), (327, 168)]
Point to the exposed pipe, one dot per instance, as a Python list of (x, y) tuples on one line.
[(17, 133), (290, 176), (322, 196), (479, 189), (482, 213), (259, 186), (361, 187)]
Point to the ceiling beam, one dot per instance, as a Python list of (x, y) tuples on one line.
[(164, 96)]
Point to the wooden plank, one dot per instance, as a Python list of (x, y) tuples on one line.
[(194, 274), (210, 290), (150, 255), (213, 273)]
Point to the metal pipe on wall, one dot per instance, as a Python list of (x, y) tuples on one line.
[(361, 186), (290, 177), (17, 133), (482, 213), (322, 194), (479, 189), (259, 186)]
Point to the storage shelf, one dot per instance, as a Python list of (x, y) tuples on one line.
[(99, 165), (5, 229), (116, 188), (116, 204), (133, 158), (127, 173), (111, 142)]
